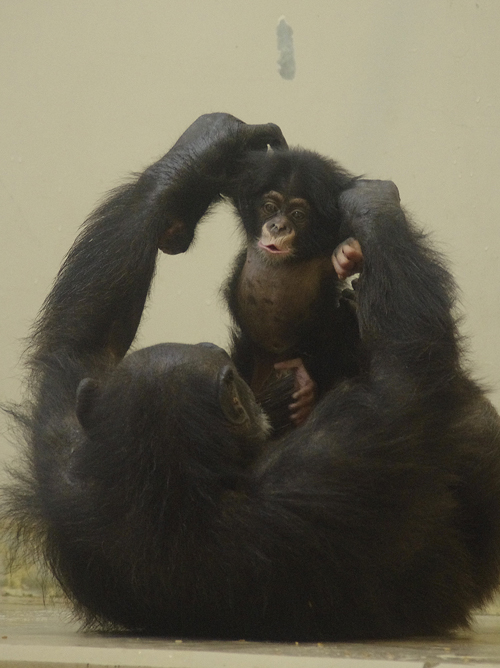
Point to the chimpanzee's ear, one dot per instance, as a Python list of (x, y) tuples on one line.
[(229, 397), (86, 397)]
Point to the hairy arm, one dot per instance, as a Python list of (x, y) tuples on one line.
[(96, 303), (91, 316), (405, 293)]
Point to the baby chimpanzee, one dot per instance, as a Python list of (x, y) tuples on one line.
[(284, 293)]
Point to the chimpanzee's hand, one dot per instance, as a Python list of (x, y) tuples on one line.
[(363, 203), (306, 390), (217, 129), (368, 193), (200, 167), (212, 146), (347, 258)]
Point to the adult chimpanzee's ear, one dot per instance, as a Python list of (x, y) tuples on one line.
[(86, 397), (229, 397)]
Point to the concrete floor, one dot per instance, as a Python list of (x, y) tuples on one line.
[(32, 634)]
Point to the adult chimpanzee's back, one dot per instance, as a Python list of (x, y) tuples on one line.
[(150, 484)]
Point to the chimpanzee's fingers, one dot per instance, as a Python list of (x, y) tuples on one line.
[(301, 415), (277, 139), (306, 393), (347, 258), (260, 136), (352, 250), (378, 189), (295, 363), (369, 194)]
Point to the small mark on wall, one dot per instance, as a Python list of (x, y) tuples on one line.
[(286, 61)]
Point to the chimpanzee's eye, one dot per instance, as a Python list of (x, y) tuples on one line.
[(297, 215), (269, 207)]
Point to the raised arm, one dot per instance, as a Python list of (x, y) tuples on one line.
[(405, 293), (97, 301)]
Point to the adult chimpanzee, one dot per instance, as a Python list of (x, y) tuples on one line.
[(284, 293), (151, 488)]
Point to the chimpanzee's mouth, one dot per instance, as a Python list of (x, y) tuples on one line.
[(271, 248)]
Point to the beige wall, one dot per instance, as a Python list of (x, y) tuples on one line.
[(92, 89)]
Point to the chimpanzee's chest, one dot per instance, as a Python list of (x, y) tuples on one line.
[(279, 303)]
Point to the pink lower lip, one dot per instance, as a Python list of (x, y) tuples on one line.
[(271, 249)]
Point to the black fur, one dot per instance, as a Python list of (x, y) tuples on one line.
[(163, 510)]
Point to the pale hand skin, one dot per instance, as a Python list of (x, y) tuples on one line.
[(347, 259), (306, 390)]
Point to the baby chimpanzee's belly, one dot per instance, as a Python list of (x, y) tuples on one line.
[(277, 304)]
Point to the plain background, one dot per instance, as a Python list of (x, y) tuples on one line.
[(92, 90)]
